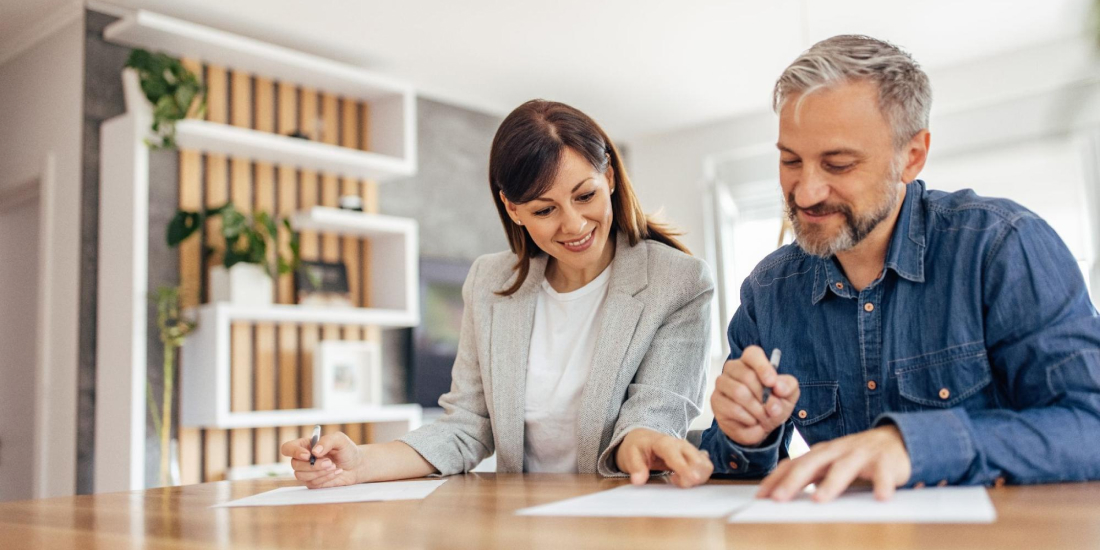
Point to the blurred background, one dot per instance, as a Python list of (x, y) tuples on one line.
[(366, 126)]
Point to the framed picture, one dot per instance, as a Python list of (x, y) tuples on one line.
[(346, 374), (323, 284)]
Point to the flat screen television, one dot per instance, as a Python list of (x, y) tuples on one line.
[(434, 343)]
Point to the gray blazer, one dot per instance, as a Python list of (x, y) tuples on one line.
[(649, 370)]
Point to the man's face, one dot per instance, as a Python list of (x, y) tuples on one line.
[(839, 170)]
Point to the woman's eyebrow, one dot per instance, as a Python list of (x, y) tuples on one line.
[(574, 190)]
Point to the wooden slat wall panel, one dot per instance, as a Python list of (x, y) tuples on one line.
[(215, 442), (272, 364), (241, 397), (266, 450)]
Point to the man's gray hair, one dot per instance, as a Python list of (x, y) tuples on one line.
[(904, 93)]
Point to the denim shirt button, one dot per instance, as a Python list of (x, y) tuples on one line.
[(942, 483), (918, 485), (733, 465), (840, 286), (872, 385), (868, 307), (945, 393), (802, 413)]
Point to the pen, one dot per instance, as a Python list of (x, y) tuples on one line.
[(313, 443), (776, 354)]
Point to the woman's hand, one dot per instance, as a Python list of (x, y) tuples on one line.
[(338, 461), (643, 450)]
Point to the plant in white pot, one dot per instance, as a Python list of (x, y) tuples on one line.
[(250, 262)]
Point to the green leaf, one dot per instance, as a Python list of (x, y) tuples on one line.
[(183, 225)]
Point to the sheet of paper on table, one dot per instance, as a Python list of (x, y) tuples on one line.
[(931, 505), (363, 492), (661, 501)]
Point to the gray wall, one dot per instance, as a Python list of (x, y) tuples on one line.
[(449, 196)]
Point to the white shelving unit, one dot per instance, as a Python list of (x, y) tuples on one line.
[(392, 122), (205, 372), (124, 171), (206, 352), (393, 253)]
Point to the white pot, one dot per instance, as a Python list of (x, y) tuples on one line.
[(242, 285)]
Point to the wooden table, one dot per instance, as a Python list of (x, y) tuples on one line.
[(476, 511)]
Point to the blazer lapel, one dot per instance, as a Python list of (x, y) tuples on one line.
[(621, 312), (510, 339)]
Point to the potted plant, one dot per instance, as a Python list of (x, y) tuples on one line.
[(174, 328), (250, 263), (171, 88)]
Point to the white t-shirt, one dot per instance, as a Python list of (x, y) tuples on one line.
[(563, 344)]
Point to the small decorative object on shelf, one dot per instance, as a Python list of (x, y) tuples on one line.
[(323, 284), (171, 88), (174, 329), (347, 374), (248, 269), (298, 134), (351, 202)]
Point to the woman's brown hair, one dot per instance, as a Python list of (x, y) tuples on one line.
[(524, 160)]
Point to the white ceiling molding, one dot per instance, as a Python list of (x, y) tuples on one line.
[(12, 46)]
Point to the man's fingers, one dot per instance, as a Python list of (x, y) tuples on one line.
[(841, 473), (741, 395), (323, 481), (884, 482), (803, 471), (755, 358), (725, 407), (778, 474), (750, 380), (786, 387)]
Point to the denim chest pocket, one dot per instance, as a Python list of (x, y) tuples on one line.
[(817, 414), (945, 378)]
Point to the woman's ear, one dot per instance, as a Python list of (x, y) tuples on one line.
[(510, 207)]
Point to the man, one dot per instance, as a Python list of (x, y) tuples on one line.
[(926, 337)]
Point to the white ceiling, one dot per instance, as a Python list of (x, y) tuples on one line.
[(638, 66)]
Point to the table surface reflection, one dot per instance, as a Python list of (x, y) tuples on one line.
[(477, 511)]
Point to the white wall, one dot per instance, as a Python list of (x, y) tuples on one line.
[(18, 304), (41, 96), (1035, 101), (1045, 91)]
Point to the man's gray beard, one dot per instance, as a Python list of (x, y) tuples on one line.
[(854, 229)]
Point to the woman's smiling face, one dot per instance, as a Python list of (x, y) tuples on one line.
[(571, 221)]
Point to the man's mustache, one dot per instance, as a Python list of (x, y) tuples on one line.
[(819, 209)]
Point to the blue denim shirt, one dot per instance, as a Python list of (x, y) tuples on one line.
[(978, 341)]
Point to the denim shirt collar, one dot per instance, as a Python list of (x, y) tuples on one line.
[(905, 255)]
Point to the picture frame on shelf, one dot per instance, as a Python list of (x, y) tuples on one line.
[(323, 284), (347, 374)]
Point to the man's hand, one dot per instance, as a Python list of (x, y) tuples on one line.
[(877, 455), (643, 450), (737, 393)]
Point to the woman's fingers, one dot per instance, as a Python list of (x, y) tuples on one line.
[(295, 448)]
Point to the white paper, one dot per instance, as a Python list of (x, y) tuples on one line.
[(659, 501), (362, 492), (930, 505)]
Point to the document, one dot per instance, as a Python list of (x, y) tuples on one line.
[(657, 501), (363, 492), (930, 505)]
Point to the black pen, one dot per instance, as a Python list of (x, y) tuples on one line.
[(313, 443), (776, 354)]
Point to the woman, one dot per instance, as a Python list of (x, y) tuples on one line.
[(582, 349)]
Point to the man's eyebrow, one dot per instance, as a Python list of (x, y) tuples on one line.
[(575, 187), (836, 152)]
